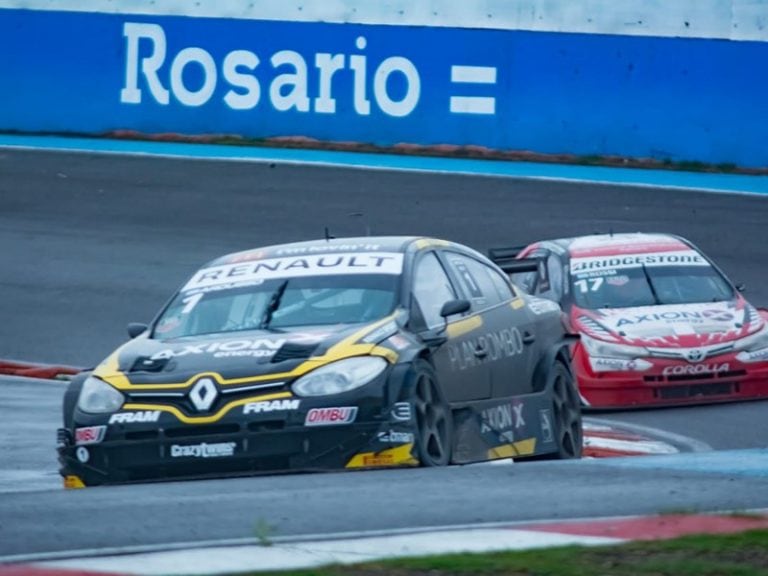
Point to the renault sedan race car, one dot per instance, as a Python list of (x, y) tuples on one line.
[(353, 353), (660, 324)]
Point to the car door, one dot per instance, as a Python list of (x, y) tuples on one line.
[(461, 375), (504, 342)]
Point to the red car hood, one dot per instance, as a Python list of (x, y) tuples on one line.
[(673, 325)]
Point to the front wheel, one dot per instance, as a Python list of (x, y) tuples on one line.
[(434, 422)]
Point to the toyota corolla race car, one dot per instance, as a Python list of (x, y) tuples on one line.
[(353, 353), (660, 324)]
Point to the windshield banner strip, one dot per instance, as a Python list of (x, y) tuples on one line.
[(298, 266), (679, 258)]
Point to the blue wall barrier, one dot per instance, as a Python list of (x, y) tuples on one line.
[(585, 94)]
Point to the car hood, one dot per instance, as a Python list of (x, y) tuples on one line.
[(673, 325), (240, 355)]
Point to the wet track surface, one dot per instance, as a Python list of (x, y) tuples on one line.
[(37, 516), (90, 243)]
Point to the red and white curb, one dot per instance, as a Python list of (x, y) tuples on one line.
[(605, 441), (36, 370), (328, 550)]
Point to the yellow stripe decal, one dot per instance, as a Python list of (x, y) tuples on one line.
[(207, 419), (461, 327), (398, 456), (423, 243), (520, 448), (73, 482), (108, 370)]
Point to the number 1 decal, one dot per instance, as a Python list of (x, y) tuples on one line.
[(191, 302)]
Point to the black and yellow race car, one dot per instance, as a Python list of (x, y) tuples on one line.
[(330, 354)]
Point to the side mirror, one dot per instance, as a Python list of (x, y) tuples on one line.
[(741, 287), (136, 328), (454, 307)]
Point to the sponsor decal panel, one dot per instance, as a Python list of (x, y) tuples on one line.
[(503, 420), (542, 306), (89, 435), (135, 417), (256, 347), (675, 258), (299, 266), (402, 411), (271, 406), (673, 316), (618, 364), (500, 344), (545, 421), (626, 243), (203, 450), (328, 248), (379, 460), (82, 454), (394, 437), (693, 369), (395, 456), (331, 416)]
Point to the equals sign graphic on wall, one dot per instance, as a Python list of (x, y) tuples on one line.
[(473, 104)]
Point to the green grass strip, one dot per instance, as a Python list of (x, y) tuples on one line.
[(742, 554)]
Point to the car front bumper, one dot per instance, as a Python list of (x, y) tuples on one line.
[(670, 383)]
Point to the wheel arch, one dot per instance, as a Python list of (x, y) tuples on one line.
[(557, 352)]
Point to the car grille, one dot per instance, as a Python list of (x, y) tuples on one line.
[(178, 432), (696, 390)]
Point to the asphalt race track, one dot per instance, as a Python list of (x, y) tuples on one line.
[(92, 242), (38, 517)]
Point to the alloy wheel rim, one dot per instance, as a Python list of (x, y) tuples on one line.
[(431, 419), (570, 432)]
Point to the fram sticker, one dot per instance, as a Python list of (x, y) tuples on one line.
[(298, 266)]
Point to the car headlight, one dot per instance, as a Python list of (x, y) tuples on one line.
[(754, 341), (341, 376), (602, 349), (754, 348), (98, 397)]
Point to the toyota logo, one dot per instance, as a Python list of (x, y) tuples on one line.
[(203, 394), (695, 355)]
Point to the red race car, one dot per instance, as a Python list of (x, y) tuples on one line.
[(660, 324)]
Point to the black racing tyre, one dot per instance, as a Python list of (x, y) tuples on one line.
[(566, 408), (434, 421)]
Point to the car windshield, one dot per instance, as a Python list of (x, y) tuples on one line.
[(279, 303), (646, 285)]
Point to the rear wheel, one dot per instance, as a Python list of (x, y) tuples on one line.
[(434, 424), (567, 413)]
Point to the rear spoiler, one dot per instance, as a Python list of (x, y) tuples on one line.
[(507, 260)]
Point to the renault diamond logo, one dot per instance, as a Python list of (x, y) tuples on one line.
[(203, 394), (695, 355)]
